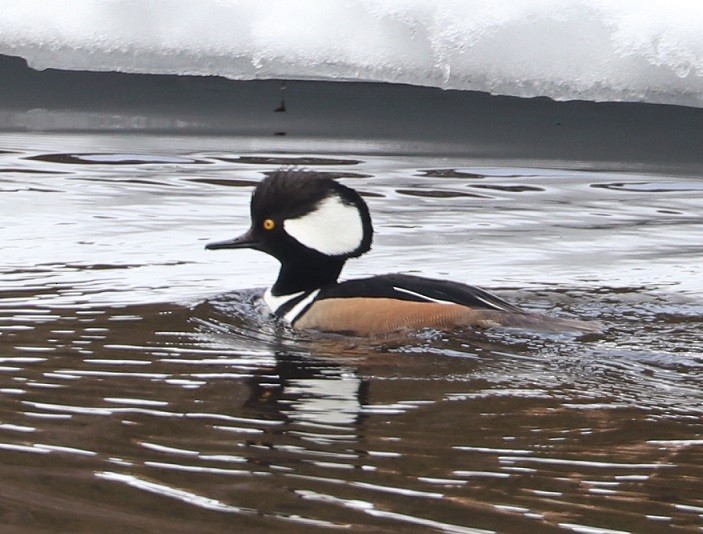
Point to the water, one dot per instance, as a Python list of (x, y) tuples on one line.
[(142, 386)]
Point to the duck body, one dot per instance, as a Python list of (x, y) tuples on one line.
[(312, 225)]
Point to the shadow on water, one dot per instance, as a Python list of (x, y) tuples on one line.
[(129, 397)]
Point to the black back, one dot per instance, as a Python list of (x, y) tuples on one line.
[(417, 289)]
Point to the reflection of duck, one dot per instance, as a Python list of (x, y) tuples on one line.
[(312, 225), (309, 392)]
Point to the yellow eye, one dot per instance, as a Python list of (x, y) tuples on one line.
[(269, 224)]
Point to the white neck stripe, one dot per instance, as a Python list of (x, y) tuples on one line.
[(274, 302), (296, 310)]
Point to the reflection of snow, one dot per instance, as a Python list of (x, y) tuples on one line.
[(141, 158), (585, 49), (327, 400)]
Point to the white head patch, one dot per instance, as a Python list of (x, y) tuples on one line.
[(334, 228)]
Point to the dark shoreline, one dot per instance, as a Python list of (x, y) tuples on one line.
[(403, 118)]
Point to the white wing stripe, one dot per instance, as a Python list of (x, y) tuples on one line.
[(425, 297), (438, 301)]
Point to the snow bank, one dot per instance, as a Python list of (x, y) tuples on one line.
[(624, 50)]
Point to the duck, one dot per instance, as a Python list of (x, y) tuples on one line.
[(312, 224)]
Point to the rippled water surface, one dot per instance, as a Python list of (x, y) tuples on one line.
[(142, 386)]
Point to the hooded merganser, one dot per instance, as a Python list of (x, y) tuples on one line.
[(313, 225)]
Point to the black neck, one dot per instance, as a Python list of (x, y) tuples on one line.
[(304, 274)]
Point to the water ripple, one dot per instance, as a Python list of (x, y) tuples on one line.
[(135, 360)]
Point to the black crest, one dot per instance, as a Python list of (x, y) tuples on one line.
[(292, 193)]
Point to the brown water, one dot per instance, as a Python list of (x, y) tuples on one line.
[(142, 387)]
